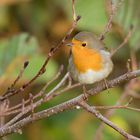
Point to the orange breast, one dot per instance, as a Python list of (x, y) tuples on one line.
[(85, 58)]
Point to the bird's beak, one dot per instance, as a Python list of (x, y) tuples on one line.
[(69, 44)]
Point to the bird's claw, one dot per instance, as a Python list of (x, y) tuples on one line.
[(85, 97)]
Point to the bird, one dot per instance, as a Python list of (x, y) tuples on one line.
[(89, 62)]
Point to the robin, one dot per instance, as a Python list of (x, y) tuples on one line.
[(88, 62)]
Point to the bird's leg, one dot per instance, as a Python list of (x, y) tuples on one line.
[(69, 80), (106, 85), (85, 92)]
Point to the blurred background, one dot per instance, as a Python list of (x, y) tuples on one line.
[(29, 28)]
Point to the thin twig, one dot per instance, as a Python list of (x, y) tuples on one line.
[(57, 86), (128, 88), (42, 69), (117, 107), (10, 89), (57, 93), (65, 89), (51, 53), (108, 26), (46, 98), (26, 63), (98, 115), (66, 105), (16, 124), (12, 109), (38, 102), (98, 134), (17, 109), (73, 10), (124, 41)]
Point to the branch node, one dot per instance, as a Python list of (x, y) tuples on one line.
[(78, 18), (26, 63)]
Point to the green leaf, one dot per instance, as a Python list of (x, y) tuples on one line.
[(19, 46)]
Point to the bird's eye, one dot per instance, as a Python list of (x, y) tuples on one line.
[(84, 44)]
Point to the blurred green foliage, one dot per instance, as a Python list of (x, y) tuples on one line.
[(21, 45), (29, 29)]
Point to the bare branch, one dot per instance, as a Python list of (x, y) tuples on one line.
[(98, 134), (108, 26), (127, 90), (124, 41), (24, 113), (73, 10), (117, 107), (98, 115), (66, 105), (50, 54), (57, 86), (10, 110), (20, 74), (10, 89)]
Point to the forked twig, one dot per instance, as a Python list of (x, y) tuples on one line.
[(108, 26), (98, 115), (66, 105), (50, 54), (22, 118), (11, 88), (127, 90), (126, 106)]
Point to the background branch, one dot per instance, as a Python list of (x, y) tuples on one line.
[(127, 90), (14, 116), (66, 105), (98, 115)]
